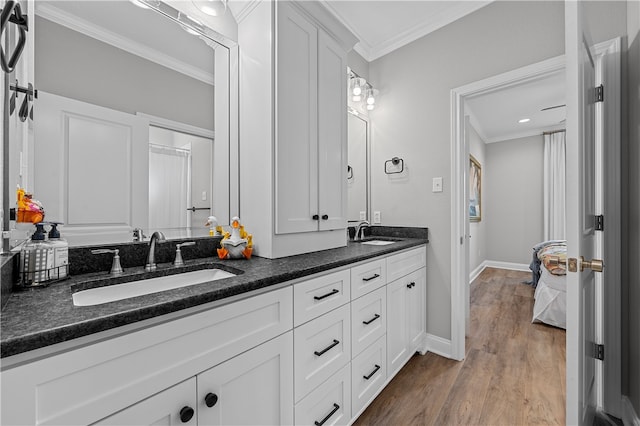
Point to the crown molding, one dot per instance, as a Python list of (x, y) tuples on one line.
[(89, 29), (422, 30), (524, 134)]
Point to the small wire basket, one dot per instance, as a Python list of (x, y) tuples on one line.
[(41, 277)]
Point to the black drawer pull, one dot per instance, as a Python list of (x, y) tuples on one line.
[(370, 375), (371, 278), (315, 217), (325, 217), (334, 291), (411, 284), (322, 352), (371, 320), (336, 407)]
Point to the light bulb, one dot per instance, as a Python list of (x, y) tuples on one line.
[(357, 98), (212, 7), (370, 107), (357, 91), (371, 100)]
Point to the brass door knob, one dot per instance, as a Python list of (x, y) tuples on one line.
[(596, 265)]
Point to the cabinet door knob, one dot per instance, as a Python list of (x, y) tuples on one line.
[(186, 413), (411, 284), (325, 217), (315, 217), (211, 399)]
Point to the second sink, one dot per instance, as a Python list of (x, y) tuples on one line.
[(112, 293)]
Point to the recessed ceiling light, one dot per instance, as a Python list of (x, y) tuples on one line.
[(524, 120)]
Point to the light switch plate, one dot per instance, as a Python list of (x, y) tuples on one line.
[(363, 215), (437, 184), (204, 195), (376, 217)]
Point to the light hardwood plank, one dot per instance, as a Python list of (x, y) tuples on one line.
[(513, 373)]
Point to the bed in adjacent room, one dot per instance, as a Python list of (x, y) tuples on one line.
[(550, 281)]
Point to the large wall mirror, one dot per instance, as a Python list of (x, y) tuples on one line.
[(358, 167), (135, 124)]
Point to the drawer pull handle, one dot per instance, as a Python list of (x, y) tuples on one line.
[(322, 352), (336, 407), (370, 375), (411, 284), (371, 320), (186, 413), (211, 399), (371, 278), (331, 293)]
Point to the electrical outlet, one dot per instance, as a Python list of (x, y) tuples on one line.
[(376, 217), (204, 195), (363, 215), (437, 184)]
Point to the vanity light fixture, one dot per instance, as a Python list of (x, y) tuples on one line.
[(360, 89), (524, 120), (212, 7)]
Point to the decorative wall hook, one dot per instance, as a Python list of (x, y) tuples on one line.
[(349, 172), (394, 162)]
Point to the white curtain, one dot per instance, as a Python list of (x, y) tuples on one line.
[(554, 186), (168, 187)]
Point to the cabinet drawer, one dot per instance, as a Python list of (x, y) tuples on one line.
[(368, 320), (368, 374), (402, 264), (321, 347), (318, 296), (368, 277), (329, 404)]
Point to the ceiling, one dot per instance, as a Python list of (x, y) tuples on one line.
[(495, 115), (383, 26)]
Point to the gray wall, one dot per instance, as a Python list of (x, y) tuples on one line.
[(358, 64), (73, 65), (411, 120), (477, 230), (513, 198), (631, 232)]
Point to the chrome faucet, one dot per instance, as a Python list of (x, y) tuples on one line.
[(360, 230), (151, 257)]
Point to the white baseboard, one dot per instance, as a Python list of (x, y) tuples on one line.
[(629, 415), (438, 345), (507, 265), (474, 274), (497, 264)]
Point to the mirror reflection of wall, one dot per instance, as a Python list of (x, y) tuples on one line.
[(116, 56), (357, 171)]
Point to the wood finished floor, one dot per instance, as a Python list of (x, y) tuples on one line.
[(513, 372)]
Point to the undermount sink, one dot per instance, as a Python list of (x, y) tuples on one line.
[(377, 242), (112, 293)]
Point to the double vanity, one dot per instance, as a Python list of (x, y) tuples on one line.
[(305, 339)]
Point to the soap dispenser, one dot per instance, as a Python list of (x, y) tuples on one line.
[(60, 252), (36, 259)]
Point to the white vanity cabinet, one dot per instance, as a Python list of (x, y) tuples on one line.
[(406, 306), (293, 92), (311, 147), (249, 340)]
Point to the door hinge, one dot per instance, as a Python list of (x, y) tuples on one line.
[(600, 222), (598, 351), (600, 93)]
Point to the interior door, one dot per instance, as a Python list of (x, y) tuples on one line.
[(581, 384)]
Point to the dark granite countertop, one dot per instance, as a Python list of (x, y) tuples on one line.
[(37, 318)]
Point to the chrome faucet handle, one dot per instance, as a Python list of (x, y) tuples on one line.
[(179, 261), (116, 269)]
